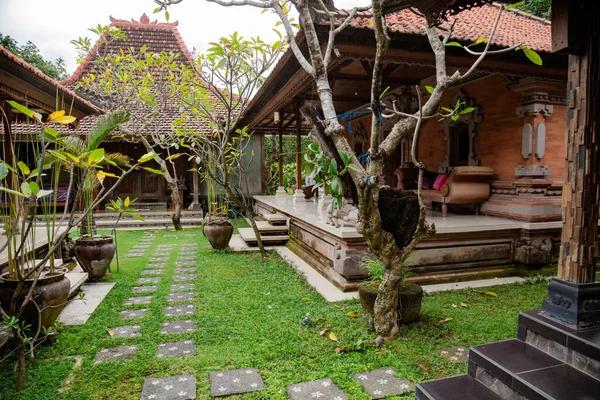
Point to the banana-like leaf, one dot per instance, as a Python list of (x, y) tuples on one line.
[(104, 126)]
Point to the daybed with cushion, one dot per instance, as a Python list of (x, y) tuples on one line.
[(464, 185)]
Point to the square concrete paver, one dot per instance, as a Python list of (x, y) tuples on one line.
[(180, 310), (138, 300), (186, 257), (455, 354), (382, 383), (131, 314), (131, 255), (184, 277), (126, 331), (152, 271), (115, 353), (145, 281), (225, 383), (321, 389), (167, 235), (183, 286), (160, 258), (143, 289), (179, 326), (184, 270), (189, 235), (181, 387), (156, 264), (183, 296), (183, 348)]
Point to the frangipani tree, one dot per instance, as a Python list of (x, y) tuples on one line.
[(326, 121)]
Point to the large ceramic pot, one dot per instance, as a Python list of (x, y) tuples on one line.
[(409, 301), (218, 231), (50, 295), (94, 254)]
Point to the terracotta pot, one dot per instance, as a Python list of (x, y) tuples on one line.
[(50, 293), (410, 297), (218, 231), (94, 255)]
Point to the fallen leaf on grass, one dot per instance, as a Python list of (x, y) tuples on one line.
[(338, 349), (324, 331), (492, 294), (446, 320), (352, 314), (333, 337), (463, 304), (110, 332), (306, 299)]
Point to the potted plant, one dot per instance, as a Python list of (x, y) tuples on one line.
[(410, 294), (216, 225), (123, 208)]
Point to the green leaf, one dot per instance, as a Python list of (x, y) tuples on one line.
[(313, 147), (533, 56), (454, 44), (25, 110), (34, 188), (7, 190), (384, 92), (95, 156), (156, 10), (137, 216), (50, 132), (167, 16), (333, 167), (23, 168), (174, 156), (44, 193), (480, 40), (25, 189), (344, 157), (154, 171), (147, 157), (3, 170), (467, 110), (455, 118), (430, 89), (105, 124), (354, 167), (446, 109), (517, 4)]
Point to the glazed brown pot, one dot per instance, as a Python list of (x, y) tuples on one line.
[(410, 297), (94, 255), (50, 295), (218, 231)]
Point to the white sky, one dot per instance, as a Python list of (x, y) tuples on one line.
[(52, 24)]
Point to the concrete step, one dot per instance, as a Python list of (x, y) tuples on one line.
[(461, 387), (275, 219), (525, 370), (77, 279), (148, 223), (247, 234), (266, 229)]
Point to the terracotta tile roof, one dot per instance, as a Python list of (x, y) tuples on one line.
[(471, 24), (62, 89)]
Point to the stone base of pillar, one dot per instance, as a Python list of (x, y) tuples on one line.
[(195, 207), (280, 194), (299, 197), (576, 305)]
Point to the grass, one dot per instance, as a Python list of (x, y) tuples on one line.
[(248, 314)]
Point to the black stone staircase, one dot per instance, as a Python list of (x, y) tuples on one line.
[(547, 360)]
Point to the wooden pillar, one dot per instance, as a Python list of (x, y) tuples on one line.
[(298, 149), (577, 259), (281, 152), (9, 151), (195, 195)]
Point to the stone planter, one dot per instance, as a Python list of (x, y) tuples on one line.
[(218, 231), (50, 293), (94, 255), (410, 297)]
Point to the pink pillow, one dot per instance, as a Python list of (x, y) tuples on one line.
[(440, 181)]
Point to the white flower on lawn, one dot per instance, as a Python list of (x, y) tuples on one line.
[(382, 381), (326, 383), (389, 371), (297, 389), (363, 377), (317, 394), (236, 380), (168, 387)]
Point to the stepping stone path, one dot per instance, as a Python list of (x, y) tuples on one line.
[(183, 286), (455, 354), (143, 289), (183, 348), (189, 235), (184, 277), (323, 388), (130, 255), (138, 300), (185, 269), (152, 271), (115, 353), (382, 383), (181, 387), (127, 331), (184, 263), (179, 326), (175, 297), (154, 265), (143, 281), (225, 383), (131, 314), (168, 235), (178, 311)]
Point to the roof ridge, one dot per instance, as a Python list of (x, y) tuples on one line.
[(144, 20), (520, 13)]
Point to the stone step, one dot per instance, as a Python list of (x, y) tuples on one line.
[(275, 219), (148, 223), (461, 387), (77, 279), (577, 348), (519, 368), (247, 234), (266, 229)]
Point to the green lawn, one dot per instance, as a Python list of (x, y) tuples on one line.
[(248, 314)]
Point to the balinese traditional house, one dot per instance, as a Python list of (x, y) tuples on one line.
[(514, 139)]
